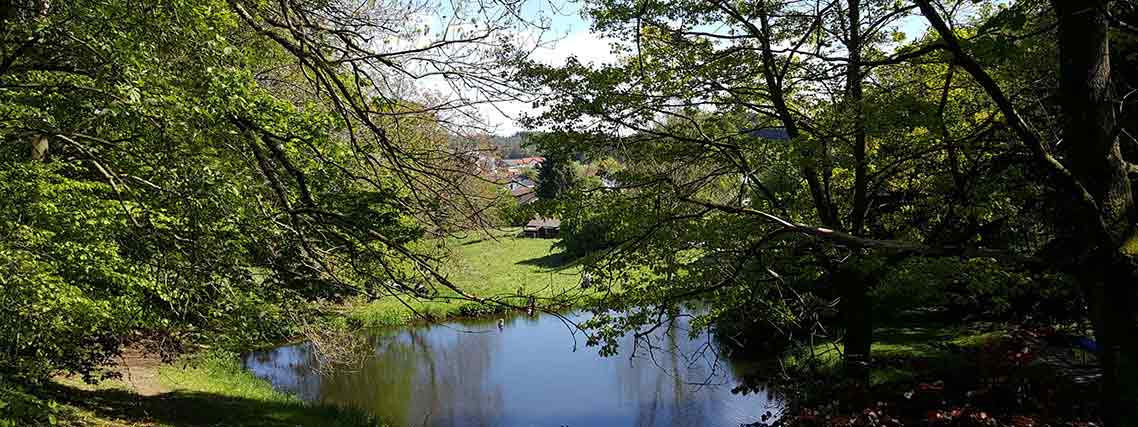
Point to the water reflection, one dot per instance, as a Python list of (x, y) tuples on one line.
[(530, 373)]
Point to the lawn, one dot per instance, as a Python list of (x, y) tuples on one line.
[(496, 266), (206, 389)]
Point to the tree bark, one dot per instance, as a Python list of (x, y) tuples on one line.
[(856, 304), (1107, 273), (857, 317)]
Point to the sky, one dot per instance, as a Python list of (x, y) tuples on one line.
[(571, 36)]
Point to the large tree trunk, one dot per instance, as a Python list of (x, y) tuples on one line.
[(1107, 239), (856, 310), (856, 304), (1114, 306)]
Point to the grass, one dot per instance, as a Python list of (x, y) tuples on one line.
[(209, 389), (935, 347), (499, 267), (252, 401)]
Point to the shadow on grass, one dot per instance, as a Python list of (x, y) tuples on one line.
[(553, 261), (183, 408), (496, 235)]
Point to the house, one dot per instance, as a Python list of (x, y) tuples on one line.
[(520, 181), (524, 195), (533, 161), (542, 227), (523, 162), (515, 165)]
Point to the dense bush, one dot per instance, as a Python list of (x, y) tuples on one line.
[(585, 230), (18, 408), (510, 213)]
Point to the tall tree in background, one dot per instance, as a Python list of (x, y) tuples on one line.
[(555, 176), (773, 97)]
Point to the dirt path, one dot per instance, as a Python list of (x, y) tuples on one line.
[(140, 372), (139, 375)]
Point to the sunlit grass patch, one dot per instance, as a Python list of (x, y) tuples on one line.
[(932, 347), (498, 266), (217, 381)]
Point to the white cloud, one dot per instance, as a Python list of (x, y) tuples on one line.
[(588, 47)]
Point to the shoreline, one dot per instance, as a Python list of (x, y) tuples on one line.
[(152, 393)]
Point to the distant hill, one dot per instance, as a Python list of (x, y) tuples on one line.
[(513, 147)]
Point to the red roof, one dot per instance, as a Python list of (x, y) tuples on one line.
[(525, 161)]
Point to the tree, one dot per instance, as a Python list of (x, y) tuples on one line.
[(1092, 182), (725, 124), (556, 176), (200, 171)]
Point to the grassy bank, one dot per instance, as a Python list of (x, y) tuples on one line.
[(498, 266), (213, 388), (208, 389), (251, 401)]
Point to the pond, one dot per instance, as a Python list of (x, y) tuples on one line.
[(532, 372)]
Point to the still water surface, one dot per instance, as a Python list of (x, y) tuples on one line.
[(531, 373)]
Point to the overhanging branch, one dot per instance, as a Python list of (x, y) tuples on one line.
[(888, 246)]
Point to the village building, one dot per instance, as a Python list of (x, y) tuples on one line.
[(520, 181), (516, 165), (542, 227), (524, 195)]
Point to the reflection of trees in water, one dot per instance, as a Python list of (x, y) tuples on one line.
[(377, 383), (441, 377), (681, 364), (455, 388), (423, 377), (288, 368)]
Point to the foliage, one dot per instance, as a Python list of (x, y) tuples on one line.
[(587, 228), (180, 176), (19, 408), (510, 212), (556, 176), (515, 146)]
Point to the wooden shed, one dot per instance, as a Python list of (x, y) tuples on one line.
[(542, 227)]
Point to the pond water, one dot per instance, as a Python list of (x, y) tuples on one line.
[(533, 372)]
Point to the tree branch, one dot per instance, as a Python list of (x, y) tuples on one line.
[(889, 246)]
